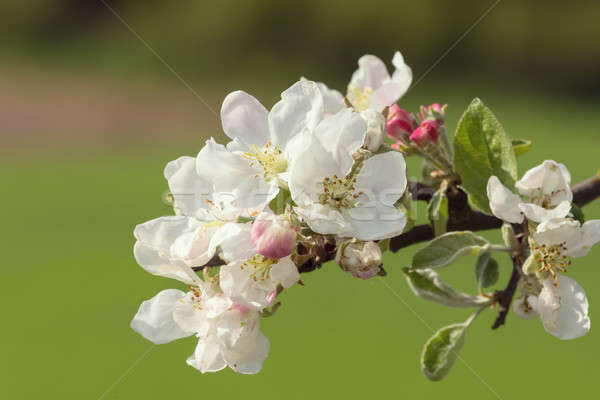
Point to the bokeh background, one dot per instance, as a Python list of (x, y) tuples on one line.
[(89, 116)]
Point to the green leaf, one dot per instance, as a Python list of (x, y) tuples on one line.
[(445, 249), (482, 149), (521, 146), (428, 285), (441, 351), (577, 213), (486, 271), (279, 203), (437, 210)]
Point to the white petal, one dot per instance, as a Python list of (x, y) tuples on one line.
[(189, 191), (251, 361), (382, 178), (235, 242), (332, 99), (590, 235), (503, 203), (154, 319), (285, 273), (371, 73), (153, 250), (342, 135), (389, 93), (564, 310), (157, 263), (189, 315), (536, 213), (375, 222), (309, 170), (550, 180), (207, 357), (237, 282), (324, 219), (240, 186), (403, 73), (556, 231), (244, 118), (301, 107)]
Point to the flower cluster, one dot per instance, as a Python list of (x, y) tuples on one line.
[(307, 170), (544, 205)]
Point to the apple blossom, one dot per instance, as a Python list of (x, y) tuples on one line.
[(228, 334), (372, 86), (334, 199), (249, 278), (545, 194)]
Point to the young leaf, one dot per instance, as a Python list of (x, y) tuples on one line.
[(441, 351), (437, 210), (445, 249), (482, 149), (428, 285), (577, 213), (486, 271), (521, 146)]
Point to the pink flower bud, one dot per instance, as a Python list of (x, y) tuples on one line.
[(426, 133), (400, 123), (434, 111), (274, 236), (361, 259)]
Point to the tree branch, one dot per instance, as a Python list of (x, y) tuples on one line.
[(586, 191), (504, 297), (583, 193)]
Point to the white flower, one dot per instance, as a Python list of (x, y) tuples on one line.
[(332, 199), (264, 144), (563, 308), (249, 278), (228, 334), (372, 86), (566, 237), (546, 195)]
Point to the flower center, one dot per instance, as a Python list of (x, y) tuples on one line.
[(261, 266), (338, 192), (551, 259), (270, 158), (360, 99)]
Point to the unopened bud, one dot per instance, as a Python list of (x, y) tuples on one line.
[(434, 112), (375, 122), (426, 133), (361, 259), (400, 123), (273, 235)]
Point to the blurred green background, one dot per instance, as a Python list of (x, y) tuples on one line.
[(89, 117)]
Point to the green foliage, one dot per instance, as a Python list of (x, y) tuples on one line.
[(445, 249), (441, 351), (486, 271), (437, 210), (578, 214), (521, 146), (428, 285), (482, 149)]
